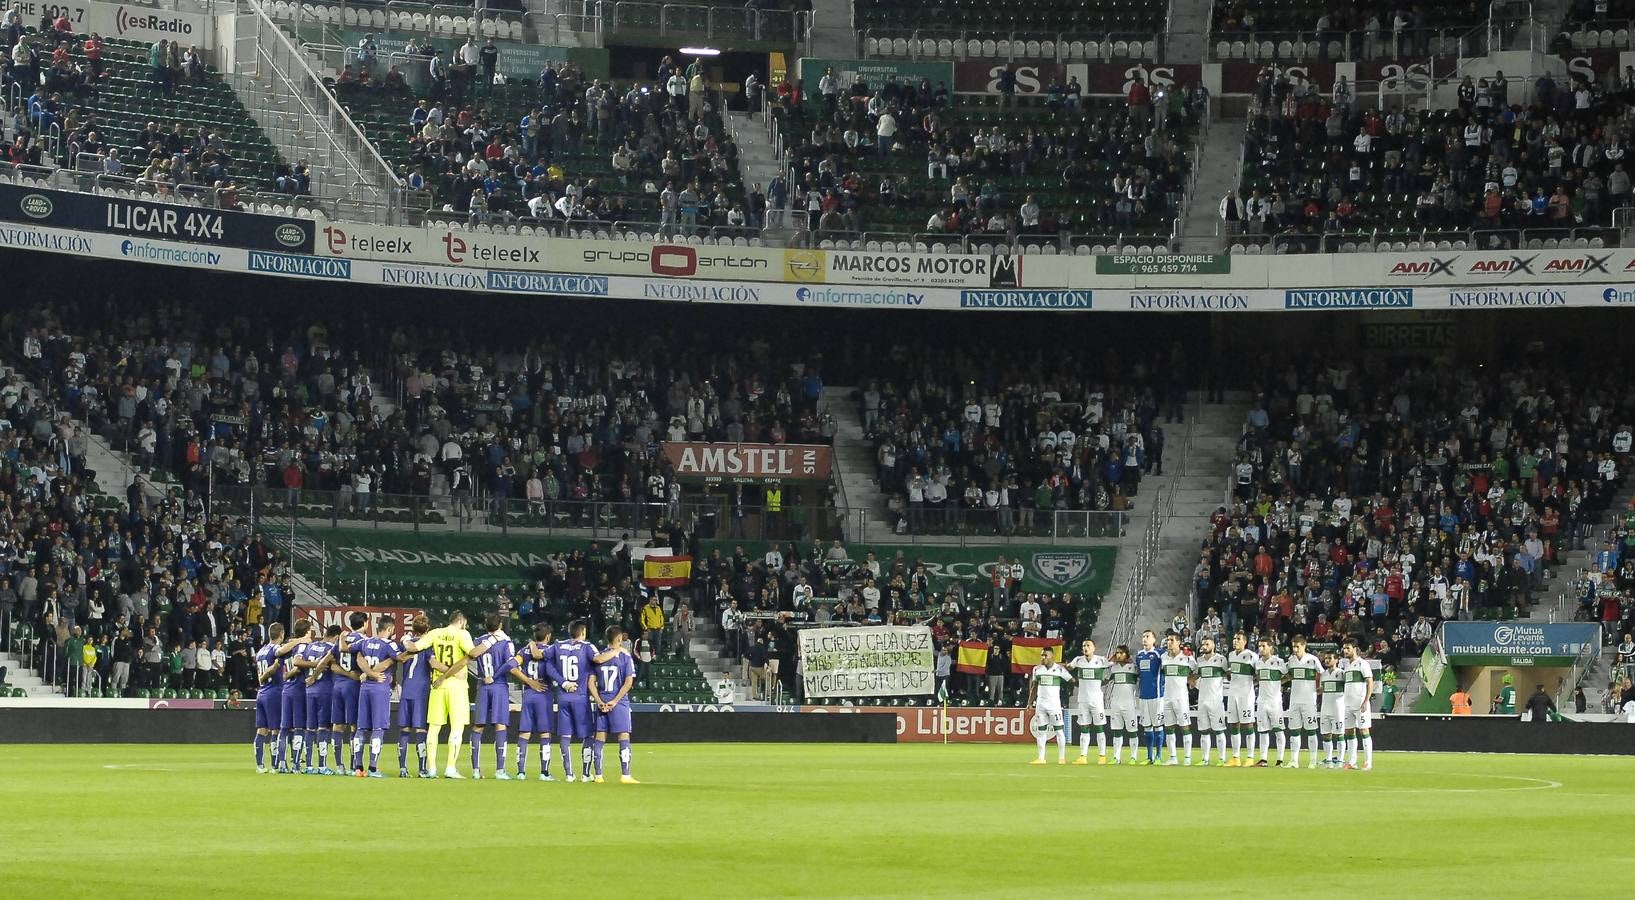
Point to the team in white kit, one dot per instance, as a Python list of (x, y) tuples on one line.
[(1239, 707)]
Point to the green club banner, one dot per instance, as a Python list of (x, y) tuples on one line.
[(489, 557), (1045, 568), (875, 72)]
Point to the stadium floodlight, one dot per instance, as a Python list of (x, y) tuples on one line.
[(700, 51)]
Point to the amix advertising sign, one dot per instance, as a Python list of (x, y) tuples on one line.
[(748, 462)]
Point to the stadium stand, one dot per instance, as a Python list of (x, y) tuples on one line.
[(132, 112), (1512, 164), (998, 443), (915, 165), (1302, 29), (1374, 504), (548, 153)]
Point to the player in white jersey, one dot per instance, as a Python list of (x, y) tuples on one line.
[(1121, 718), (1359, 688), (1270, 673), (1090, 671), (1240, 699), (1177, 670), (1330, 721), (1304, 670), (1211, 679), (1045, 699)]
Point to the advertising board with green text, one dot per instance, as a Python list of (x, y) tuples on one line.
[(439, 556)]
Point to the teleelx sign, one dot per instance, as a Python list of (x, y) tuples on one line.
[(872, 661), (748, 462), (148, 219)]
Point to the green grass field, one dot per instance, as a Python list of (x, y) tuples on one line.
[(813, 820)]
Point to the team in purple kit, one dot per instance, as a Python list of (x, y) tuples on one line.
[(317, 691), (537, 703), (610, 686), (495, 656), (414, 693)]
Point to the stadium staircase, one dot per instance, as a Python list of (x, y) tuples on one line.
[(1219, 168), (1198, 458), (757, 162), (1187, 30), (833, 34), (854, 465)]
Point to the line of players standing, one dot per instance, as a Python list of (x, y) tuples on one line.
[(333, 693), (1240, 698)]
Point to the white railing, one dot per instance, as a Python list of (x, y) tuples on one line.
[(347, 166)]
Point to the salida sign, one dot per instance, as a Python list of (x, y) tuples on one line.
[(926, 725), (748, 462)]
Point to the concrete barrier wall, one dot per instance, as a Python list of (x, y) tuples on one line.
[(68, 725), (1492, 734)]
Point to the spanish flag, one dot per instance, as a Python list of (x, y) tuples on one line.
[(667, 571), (973, 658), (1026, 653)]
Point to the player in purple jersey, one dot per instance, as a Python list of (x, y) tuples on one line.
[(494, 657), (343, 704), (292, 715), (376, 656), (268, 695), (536, 702), (567, 665), (314, 664), (414, 692), (610, 684)]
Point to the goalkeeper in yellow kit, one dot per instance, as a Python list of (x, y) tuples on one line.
[(450, 703)]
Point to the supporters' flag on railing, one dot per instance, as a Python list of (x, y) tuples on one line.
[(1026, 653), (667, 571), (973, 658)]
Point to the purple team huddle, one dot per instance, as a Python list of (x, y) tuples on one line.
[(333, 694)]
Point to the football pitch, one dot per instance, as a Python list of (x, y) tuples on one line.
[(746, 820)]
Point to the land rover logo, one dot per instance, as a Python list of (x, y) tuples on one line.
[(37, 206), (1061, 569), (290, 234)]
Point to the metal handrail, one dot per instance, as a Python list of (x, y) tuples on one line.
[(321, 106)]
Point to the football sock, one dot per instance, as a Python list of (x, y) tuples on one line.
[(567, 756), (375, 737), (1220, 744), (1282, 746), (476, 750), (545, 756), (456, 737), (298, 744), (502, 751), (403, 748), (595, 748), (624, 756), (1041, 740), (1368, 749), (1186, 741), (260, 749), (323, 747), (522, 755), (1101, 741), (357, 749), (420, 750)]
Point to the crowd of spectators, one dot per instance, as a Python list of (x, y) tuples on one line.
[(567, 147), (1058, 162), (1508, 155), (311, 401), (61, 77), (1374, 503), (160, 596), (998, 441)]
